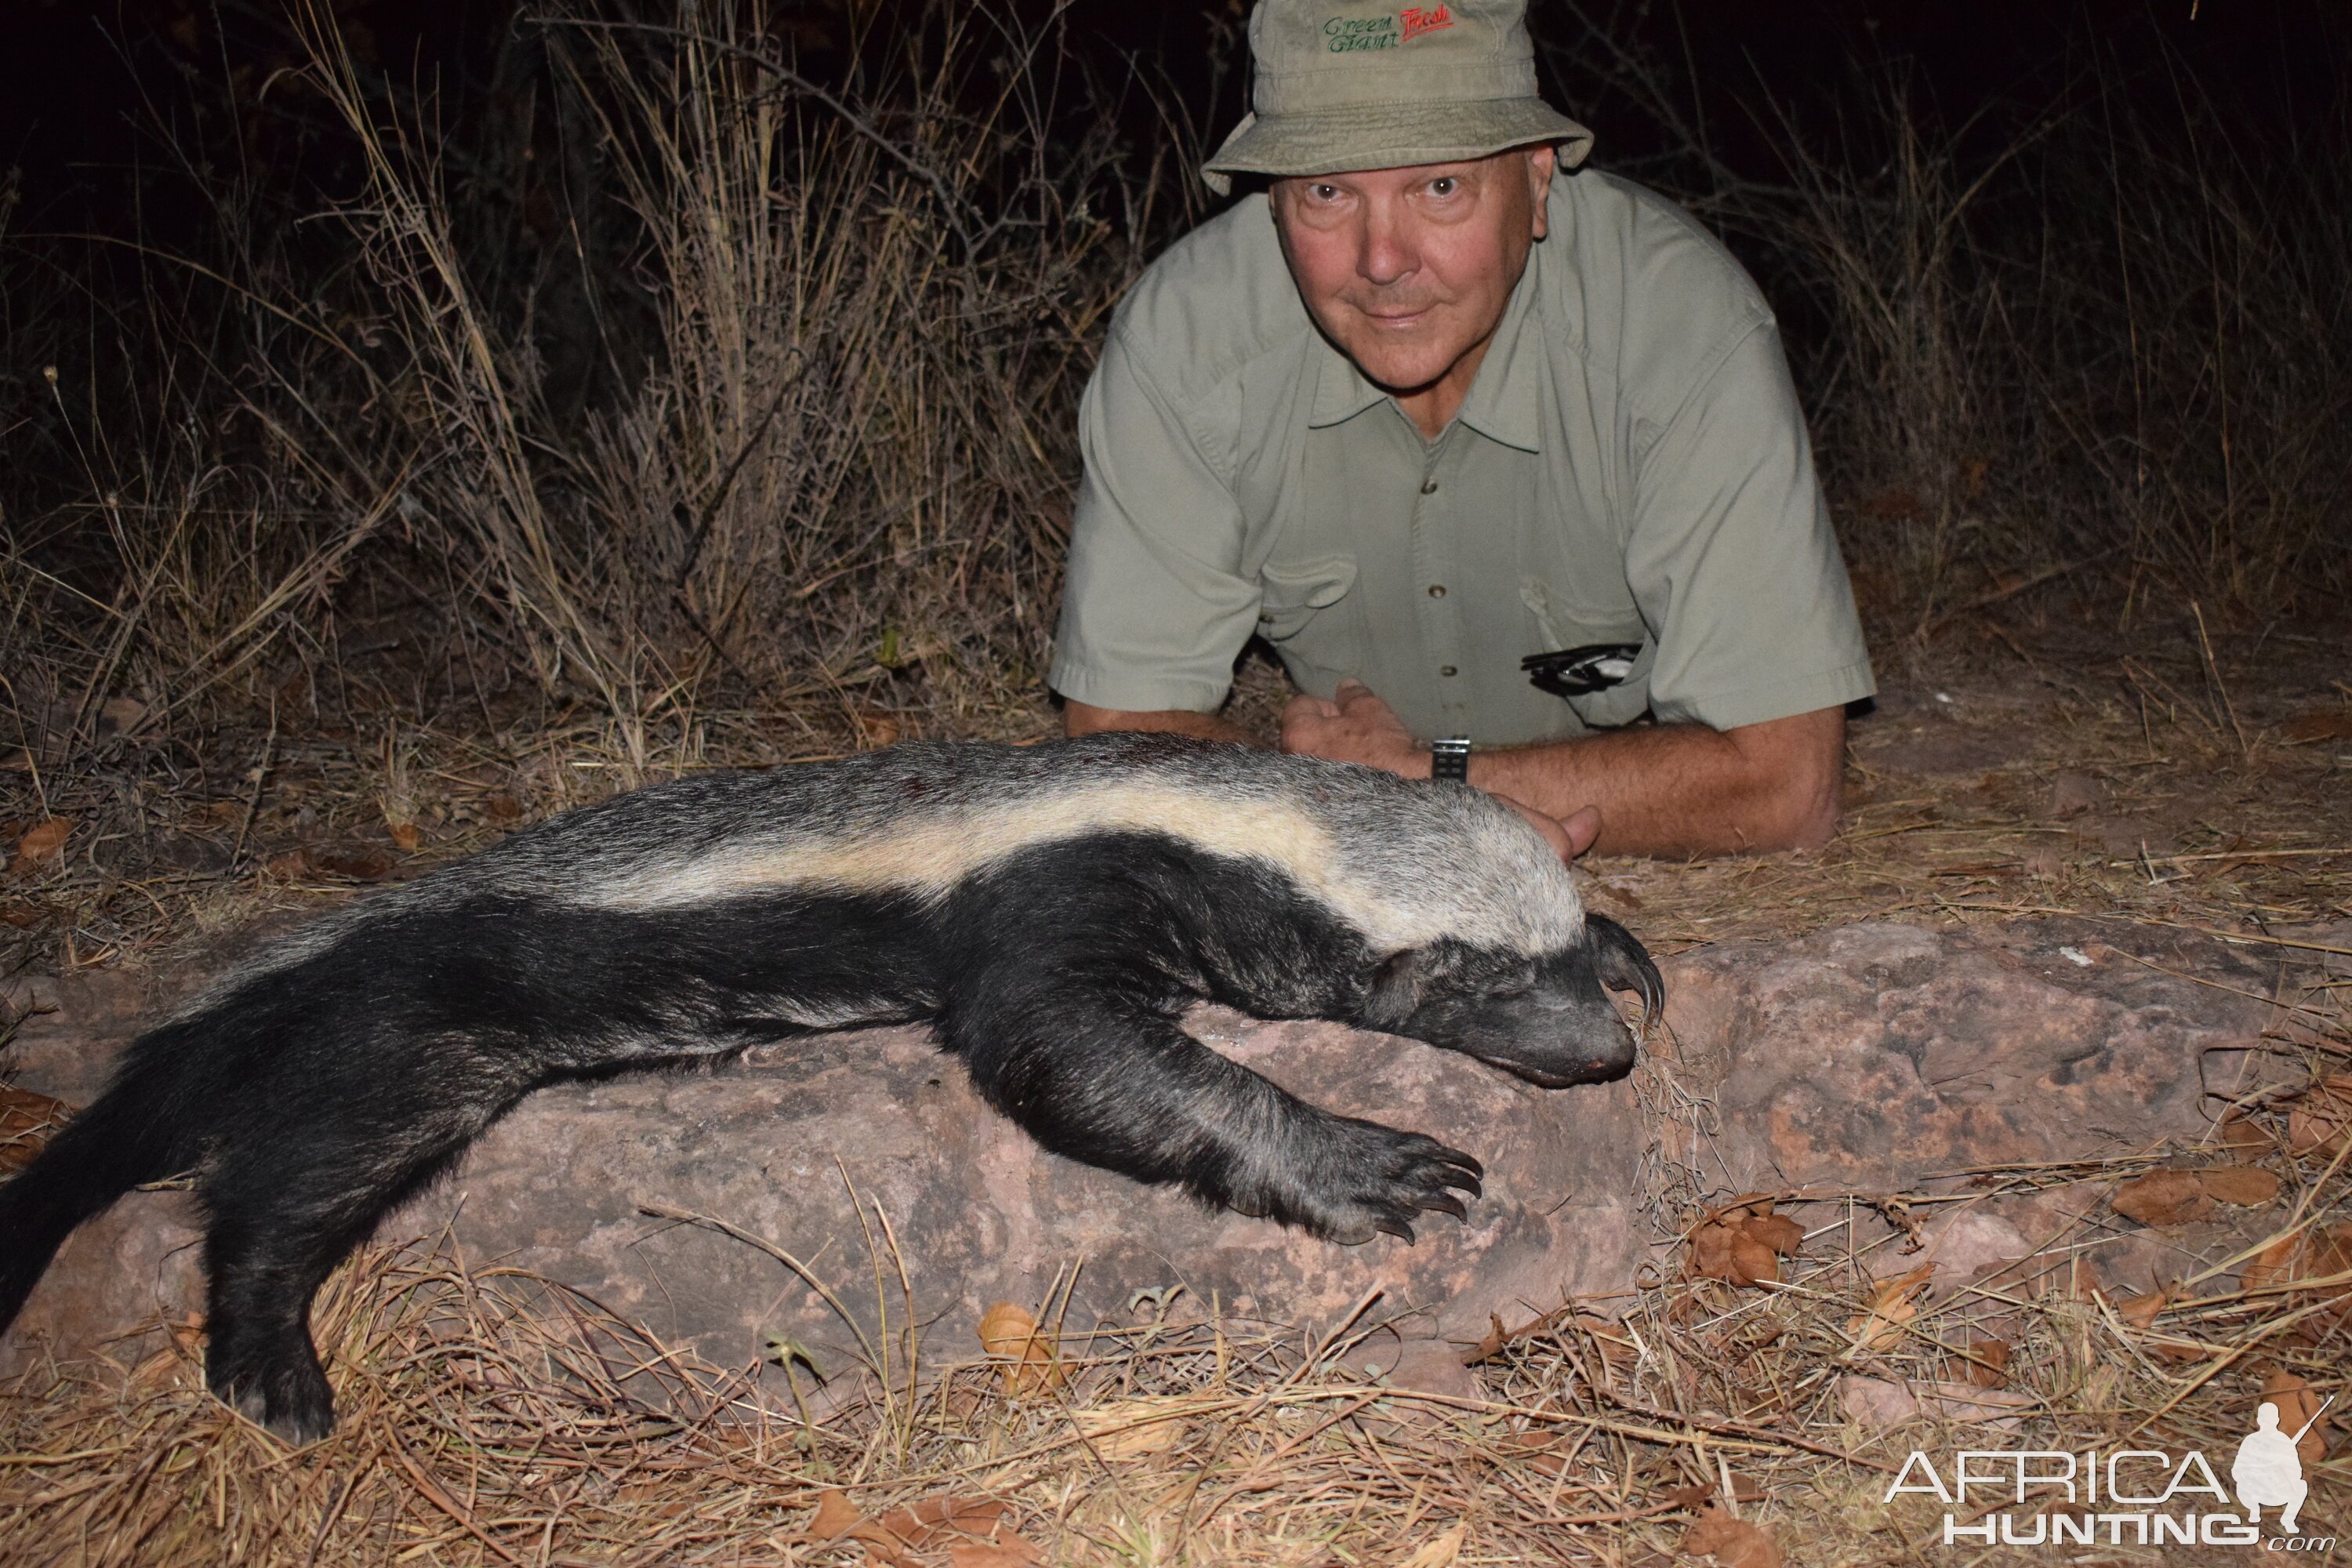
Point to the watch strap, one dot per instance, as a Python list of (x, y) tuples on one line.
[(1449, 759)]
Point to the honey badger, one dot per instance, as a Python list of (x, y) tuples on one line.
[(1050, 911)]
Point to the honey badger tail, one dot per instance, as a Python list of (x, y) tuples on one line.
[(135, 1132)]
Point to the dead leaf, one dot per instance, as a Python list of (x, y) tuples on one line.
[(2319, 1120), (1892, 1303), (2140, 1311), (1008, 1550), (44, 841), (502, 809), (1732, 1542), (122, 715), (291, 865), (1988, 1363), (2323, 724), (2298, 1411), (24, 916), (1743, 1242), (1618, 1350), (876, 729), (2242, 1140), (406, 834), (965, 1527), (1623, 895), (2163, 1197), (27, 1122), (1490, 1345), (1696, 1496), (1012, 1334), (1544, 1452), (1876, 1402), (354, 862), (835, 1515), (1440, 1551), (1776, 1231), (1127, 1427), (2306, 1255), (2240, 1186)]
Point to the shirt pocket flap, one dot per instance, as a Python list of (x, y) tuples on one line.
[(1293, 592)]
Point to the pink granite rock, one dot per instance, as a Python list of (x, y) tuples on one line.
[(1869, 1058), (1877, 1057), (776, 1144)]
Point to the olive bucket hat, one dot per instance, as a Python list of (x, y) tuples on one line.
[(1342, 86)]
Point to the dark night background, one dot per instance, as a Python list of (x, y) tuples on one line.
[(2065, 287)]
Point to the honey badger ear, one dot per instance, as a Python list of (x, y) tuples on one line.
[(1404, 977), (1623, 963)]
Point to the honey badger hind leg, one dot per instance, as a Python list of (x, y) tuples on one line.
[(1116, 1083), (283, 1211)]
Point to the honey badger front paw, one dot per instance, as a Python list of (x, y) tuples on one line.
[(1350, 1179)]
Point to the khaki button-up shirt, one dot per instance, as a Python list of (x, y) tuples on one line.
[(1630, 466)]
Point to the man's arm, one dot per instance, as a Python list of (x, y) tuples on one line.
[(1672, 790), (1085, 718)]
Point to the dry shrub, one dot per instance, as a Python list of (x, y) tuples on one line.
[(841, 332), (850, 458), (2092, 327)]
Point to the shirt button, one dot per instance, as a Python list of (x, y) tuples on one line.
[(1437, 590), (1428, 487), (1445, 669)]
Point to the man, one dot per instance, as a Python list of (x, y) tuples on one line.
[(1435, 407)]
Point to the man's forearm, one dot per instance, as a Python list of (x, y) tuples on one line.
[(1683, 789), (1084, 719)]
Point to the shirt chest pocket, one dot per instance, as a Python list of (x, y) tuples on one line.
[(1312, 614), (1563, 621)]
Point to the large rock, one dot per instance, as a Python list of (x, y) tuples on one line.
[(1876, 1058), (1870, 1059), (789, 1142)]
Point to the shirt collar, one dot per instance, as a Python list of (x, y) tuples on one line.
[(1503, 400)]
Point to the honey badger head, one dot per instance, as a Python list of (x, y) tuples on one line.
[(1546, 1017), (1480, 942)]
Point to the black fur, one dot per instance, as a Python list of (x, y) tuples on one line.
[(315, 1091)]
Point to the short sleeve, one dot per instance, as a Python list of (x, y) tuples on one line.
[(1155, 607), (1731, 557)]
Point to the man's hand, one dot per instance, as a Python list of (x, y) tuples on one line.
[(1666, 789), (1356, 726)]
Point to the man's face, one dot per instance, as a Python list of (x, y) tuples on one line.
[(1407, 271)]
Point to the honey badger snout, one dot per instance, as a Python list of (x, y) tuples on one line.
[(1546, 1018)]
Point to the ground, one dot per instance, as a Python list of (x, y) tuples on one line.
[(2032, 761)]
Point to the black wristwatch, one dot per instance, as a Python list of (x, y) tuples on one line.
[(1449, 759)]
